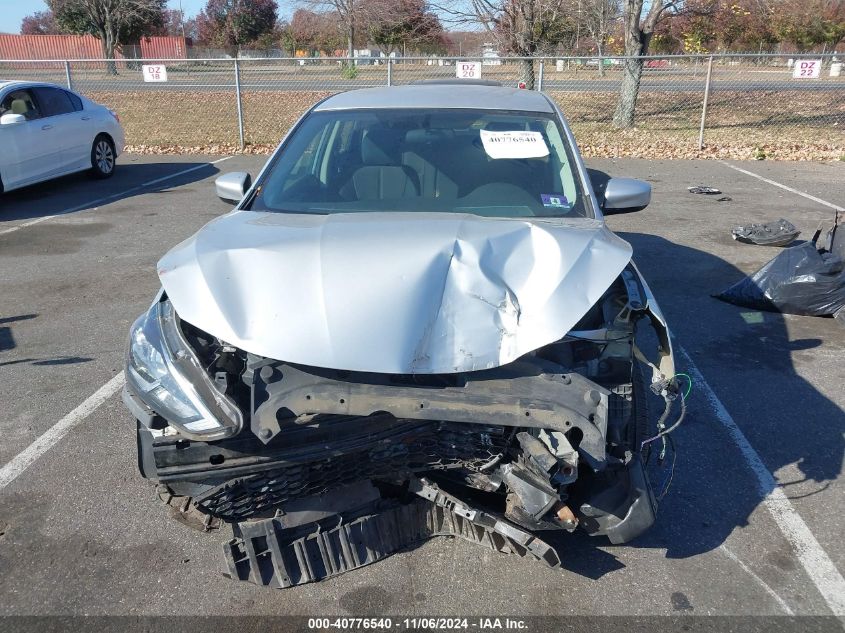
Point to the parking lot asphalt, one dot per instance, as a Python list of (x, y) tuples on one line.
[(82, 533)]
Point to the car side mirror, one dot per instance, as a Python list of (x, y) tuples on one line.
[(12, 119), (625, 195), (233, 186)]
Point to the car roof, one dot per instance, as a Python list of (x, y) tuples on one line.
[(434, 95), (6, 84)]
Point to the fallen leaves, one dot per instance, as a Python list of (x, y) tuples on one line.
[(739, 125)]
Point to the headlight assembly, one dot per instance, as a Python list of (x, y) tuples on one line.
[(164, 372)]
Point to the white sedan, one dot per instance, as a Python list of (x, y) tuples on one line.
[(47, 131)]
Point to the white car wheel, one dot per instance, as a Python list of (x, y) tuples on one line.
[(102, 157)]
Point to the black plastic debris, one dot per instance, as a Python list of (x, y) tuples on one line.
[(710, 191), (779, 233), (266, 553), (807, 279)]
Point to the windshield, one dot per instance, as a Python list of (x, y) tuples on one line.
[(484, 162)]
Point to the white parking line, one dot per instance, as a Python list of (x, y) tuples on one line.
[(781, 602), (835, 207), (55, 433), (813, 558), (95, 203)]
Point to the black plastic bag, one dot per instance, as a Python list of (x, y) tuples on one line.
[(799, 280)]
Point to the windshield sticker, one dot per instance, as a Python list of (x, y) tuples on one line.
[(514, 144), (556, 200)]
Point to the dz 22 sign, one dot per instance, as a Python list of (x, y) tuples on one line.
[(807, 68)]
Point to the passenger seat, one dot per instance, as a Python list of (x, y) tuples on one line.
[(428, 152), (382, 177)]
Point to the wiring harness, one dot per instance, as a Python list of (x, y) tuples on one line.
[(670, 396)]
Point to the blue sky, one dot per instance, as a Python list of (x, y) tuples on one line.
[(13, 11)]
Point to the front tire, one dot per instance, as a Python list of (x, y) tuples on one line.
[(103, 157)]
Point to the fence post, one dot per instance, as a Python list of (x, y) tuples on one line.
[(67, 75), (706, 100), (389, 72), (540, 77), (240, 107)]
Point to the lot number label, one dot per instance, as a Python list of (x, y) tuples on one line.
[(468, 70), (516, 144), (155, 73), (807, 69)]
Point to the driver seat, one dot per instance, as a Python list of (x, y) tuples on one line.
[(19, 106)]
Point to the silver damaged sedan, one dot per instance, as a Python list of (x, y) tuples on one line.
[(414, 322)]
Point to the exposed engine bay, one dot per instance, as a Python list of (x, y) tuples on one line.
[(320, 471)]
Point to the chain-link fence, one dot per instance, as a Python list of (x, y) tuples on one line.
[(740, 106)]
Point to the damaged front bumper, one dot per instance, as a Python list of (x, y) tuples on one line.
[(325, 493), (331, 469)]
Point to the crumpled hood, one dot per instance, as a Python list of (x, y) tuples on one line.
[(391, 292)]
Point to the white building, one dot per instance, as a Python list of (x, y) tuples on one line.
[(489, 55)]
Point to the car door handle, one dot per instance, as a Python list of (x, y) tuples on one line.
[(46, 127), (86, 118)]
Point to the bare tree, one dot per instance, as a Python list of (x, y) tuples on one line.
[(347, 12), (599, 18), (463, 42), (113, 22), (520, 27), (638, 31)]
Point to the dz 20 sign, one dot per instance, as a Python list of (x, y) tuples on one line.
[(468, 70)]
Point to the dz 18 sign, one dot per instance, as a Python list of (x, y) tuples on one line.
[(807, 68), (155, 73)]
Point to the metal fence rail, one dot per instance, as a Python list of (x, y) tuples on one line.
[(705, 105)]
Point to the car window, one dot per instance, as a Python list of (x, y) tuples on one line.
[(53, 101), (20, 102), (75, 101), (485, 162)]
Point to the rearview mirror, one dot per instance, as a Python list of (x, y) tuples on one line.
[(233, 186), (12, 119), (625, 195)]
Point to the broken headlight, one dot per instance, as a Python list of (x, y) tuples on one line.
[(164, 372)]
